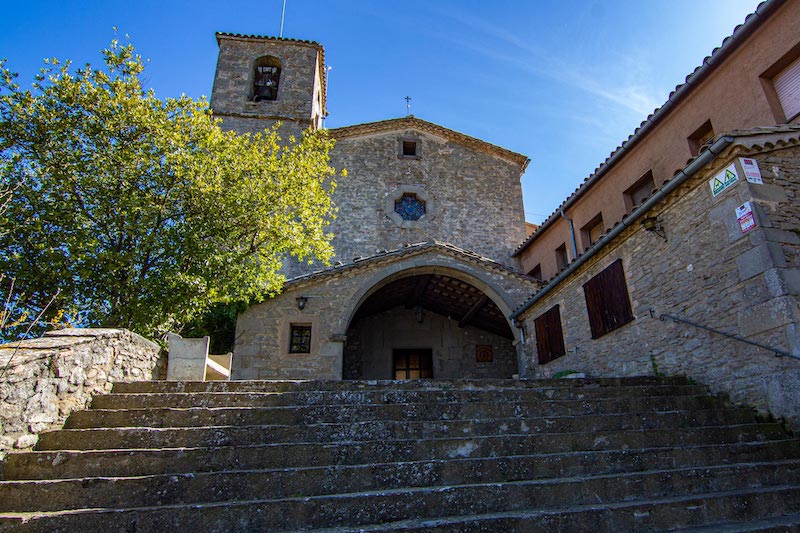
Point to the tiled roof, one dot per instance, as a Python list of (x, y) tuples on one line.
[(313, 44), (729, 44), (411, 122), (745, 142), (405, 251)]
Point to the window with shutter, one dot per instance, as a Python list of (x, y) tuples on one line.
[(607, 300), (549, 335), (787, 87), (701, 137), (636, 194)]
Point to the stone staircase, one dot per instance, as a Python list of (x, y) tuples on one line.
[(595, 455)]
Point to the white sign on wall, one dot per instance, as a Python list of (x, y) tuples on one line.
[(751, 171), (744, 214), (723, 180)]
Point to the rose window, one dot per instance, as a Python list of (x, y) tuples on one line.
[(409, 207)]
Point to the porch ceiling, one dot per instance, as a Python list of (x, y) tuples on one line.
[(443, 295)]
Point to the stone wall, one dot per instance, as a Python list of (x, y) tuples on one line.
[(371, 341), (261, 350), (474, 199), (708, 272), (46, 379)]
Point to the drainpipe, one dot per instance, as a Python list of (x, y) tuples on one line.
[(572, 234), (698, 163)]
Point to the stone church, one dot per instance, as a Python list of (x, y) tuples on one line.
[(428, 220), (677, 256)]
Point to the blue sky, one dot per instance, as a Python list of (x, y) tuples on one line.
[(563, 82)]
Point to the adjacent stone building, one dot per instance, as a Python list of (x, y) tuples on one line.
[(650, 267)]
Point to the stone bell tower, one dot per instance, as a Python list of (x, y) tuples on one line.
[(263, 80)]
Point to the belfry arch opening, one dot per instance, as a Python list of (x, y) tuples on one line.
[(429, 325), (266, 79)]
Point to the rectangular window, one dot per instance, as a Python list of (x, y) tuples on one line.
[(787, 88), (409, 148), (701, 136), (561, 257), (549, 335), (300, 338), (413, 363), (636, 194), (592, 231), (607, 300), (536, 272)]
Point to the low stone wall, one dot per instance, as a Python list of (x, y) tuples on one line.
[(43, 380)]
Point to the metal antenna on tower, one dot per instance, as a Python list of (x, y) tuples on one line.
[(283, 13), (408, 105)]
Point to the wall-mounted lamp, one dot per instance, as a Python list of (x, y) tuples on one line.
[(419, 315), (301, 302), (653, 225)]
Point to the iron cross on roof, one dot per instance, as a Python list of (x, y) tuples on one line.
[(408, 105)]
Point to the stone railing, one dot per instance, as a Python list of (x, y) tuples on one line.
[(43, 380)]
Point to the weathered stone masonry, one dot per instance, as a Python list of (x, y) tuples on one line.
[(707, 272), (48, 378), (334, 296)]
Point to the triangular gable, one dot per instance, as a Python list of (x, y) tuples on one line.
[(411, 122)]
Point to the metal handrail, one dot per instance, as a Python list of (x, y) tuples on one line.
[(777, 351)]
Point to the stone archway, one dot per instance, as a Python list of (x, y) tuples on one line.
[(429, 323)]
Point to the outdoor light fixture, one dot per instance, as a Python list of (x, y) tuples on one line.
[(653, 225), (419, 315), (301, 302)]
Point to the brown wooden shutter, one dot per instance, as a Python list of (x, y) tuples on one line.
[(549, 335), (607, 300)]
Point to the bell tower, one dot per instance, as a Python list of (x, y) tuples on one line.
[(263, 80)]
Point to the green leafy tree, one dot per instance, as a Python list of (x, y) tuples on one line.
[(144, 213)]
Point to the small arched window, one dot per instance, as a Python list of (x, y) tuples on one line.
[(266, 79)]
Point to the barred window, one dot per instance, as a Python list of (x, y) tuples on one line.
[(300, 338)]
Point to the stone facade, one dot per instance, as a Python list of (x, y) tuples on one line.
[(476, 196), (709, 272), (334, 297), (48, 378), (300, 103), (473, 198)]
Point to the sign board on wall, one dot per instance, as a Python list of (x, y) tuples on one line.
[(744, 214), (751, 171), (723, 180)]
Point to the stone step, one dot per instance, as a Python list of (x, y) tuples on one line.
[(149, 491), (215, 436), (162, 416), (343, 412), (398, 429), (382, 397), (527, 506), (116, 463), (767, 506), (393, 385), (779, 524)]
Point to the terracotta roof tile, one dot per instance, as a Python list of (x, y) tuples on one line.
[(408, 250), (412, 122)]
